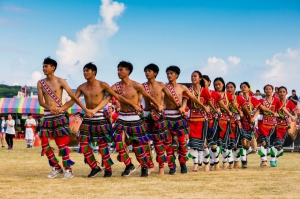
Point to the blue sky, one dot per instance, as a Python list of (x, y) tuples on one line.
[(255, 41)]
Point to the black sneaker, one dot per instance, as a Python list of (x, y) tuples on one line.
[(144, 172), (28, 146), (244, 164), (128, 170), (183, 168), (107, 174), (94, 172), (173, 171)]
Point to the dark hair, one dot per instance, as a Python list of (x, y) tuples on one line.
[(152, 67), (247, 84), (198, 72), (233, 84), (91, 66), (51, 62), (221, 80), (175, 69), (204, 77), (293, 90), (29, 114), (126, 65), (257, 91), (270, 86), (282, 87)]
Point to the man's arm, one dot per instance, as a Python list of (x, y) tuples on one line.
[(41, 99), (141, 90), (168, 94), (102, 104), (71, 101)]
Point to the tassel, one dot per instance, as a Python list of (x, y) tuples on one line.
[(68, 163), (64, 151), (54, 161)]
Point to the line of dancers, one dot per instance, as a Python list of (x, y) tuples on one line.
[(217, 123)]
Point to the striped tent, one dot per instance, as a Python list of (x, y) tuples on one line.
[(30, 105)]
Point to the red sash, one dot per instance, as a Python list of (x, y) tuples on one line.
[(50, 92), (173, 93), (155, 115), (120, 91), (268, 120)]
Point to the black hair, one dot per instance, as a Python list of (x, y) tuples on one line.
[(29, 114), (175, 69), (126, 65), (221, 80), (282, 87), (233, 84), (204, 77), (247, 84), (257, 91), (91, 66), (293, 90), (152, 67), (51, 62), (198, 72), (270, 86)]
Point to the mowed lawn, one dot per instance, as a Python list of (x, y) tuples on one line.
[(23, 175)]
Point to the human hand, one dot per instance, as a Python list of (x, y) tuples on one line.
[(160, 108), (241, 113), (90, 113), (137, 108), (230, 113), (218, 111), (54, 110), (294, 119), (252, 120), (181, 110), (207, 109), (275, 114)]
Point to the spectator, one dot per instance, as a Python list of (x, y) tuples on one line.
[(2, 131), (112, 114), (294, 98), (258, 95), (29, 130), (10, 131)]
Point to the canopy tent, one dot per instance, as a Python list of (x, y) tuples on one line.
[(30, 105)]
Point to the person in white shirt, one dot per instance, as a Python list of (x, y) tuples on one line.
[(258, 95), (10, 131), (30, 124), (2, 131)]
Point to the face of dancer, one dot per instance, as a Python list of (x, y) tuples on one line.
[(48, 69), (282, 93), (268, 91), (195, 78), (123, 72), (230, 88), (172, 76), (206, 83), (219, 86), (150, 74), (88, 73), (245, 89)]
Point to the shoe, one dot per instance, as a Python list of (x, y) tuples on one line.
[(128, 170), (272, 164), (173, 171), (94, 172), (54, 173), (144, 172), (9, 148), (183, 168), (107, 174), (68, 174), (244, 164), (28, 146)]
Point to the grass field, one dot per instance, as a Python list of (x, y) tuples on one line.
[(23, 175)]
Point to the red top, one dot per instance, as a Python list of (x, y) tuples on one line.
[(274, 105), (204, 97)]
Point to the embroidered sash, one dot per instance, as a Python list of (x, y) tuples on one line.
[(120, 91), (155, 115), (50, 92), (196, 112), (268, 120), (173, 93)]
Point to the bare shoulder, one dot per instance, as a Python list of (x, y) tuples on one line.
[(103, 84), (135, 84)]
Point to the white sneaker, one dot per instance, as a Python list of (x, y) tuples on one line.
[(68, 174), (54, 173)]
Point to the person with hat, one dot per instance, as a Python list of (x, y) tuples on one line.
[(30, 124)]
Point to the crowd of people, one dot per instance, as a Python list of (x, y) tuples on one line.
[(182, 123)]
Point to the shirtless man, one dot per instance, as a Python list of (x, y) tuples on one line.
[(55, 124), (177, 124), (95, 128), (129, 124), (156, 125)]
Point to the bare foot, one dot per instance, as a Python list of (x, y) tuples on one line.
[(150, 170), (211, 167), (206, 168), (195, 169), (230, 166), (263, 164), (217, 167), (236, 165), (224, 166), (161, 171)]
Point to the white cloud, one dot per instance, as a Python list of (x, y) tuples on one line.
[(215, 65), (34, 78), (16, 9), (91, 42), (234, 60), (283, 69)]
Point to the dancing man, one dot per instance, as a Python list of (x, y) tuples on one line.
[(55, 124), (95, 128), (129, 126)]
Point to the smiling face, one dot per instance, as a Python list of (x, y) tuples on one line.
[(150, 74), (195, 78), (123, 72), (88, 73), (48, 69), (171, 75), (230, 88), (218, 86)]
